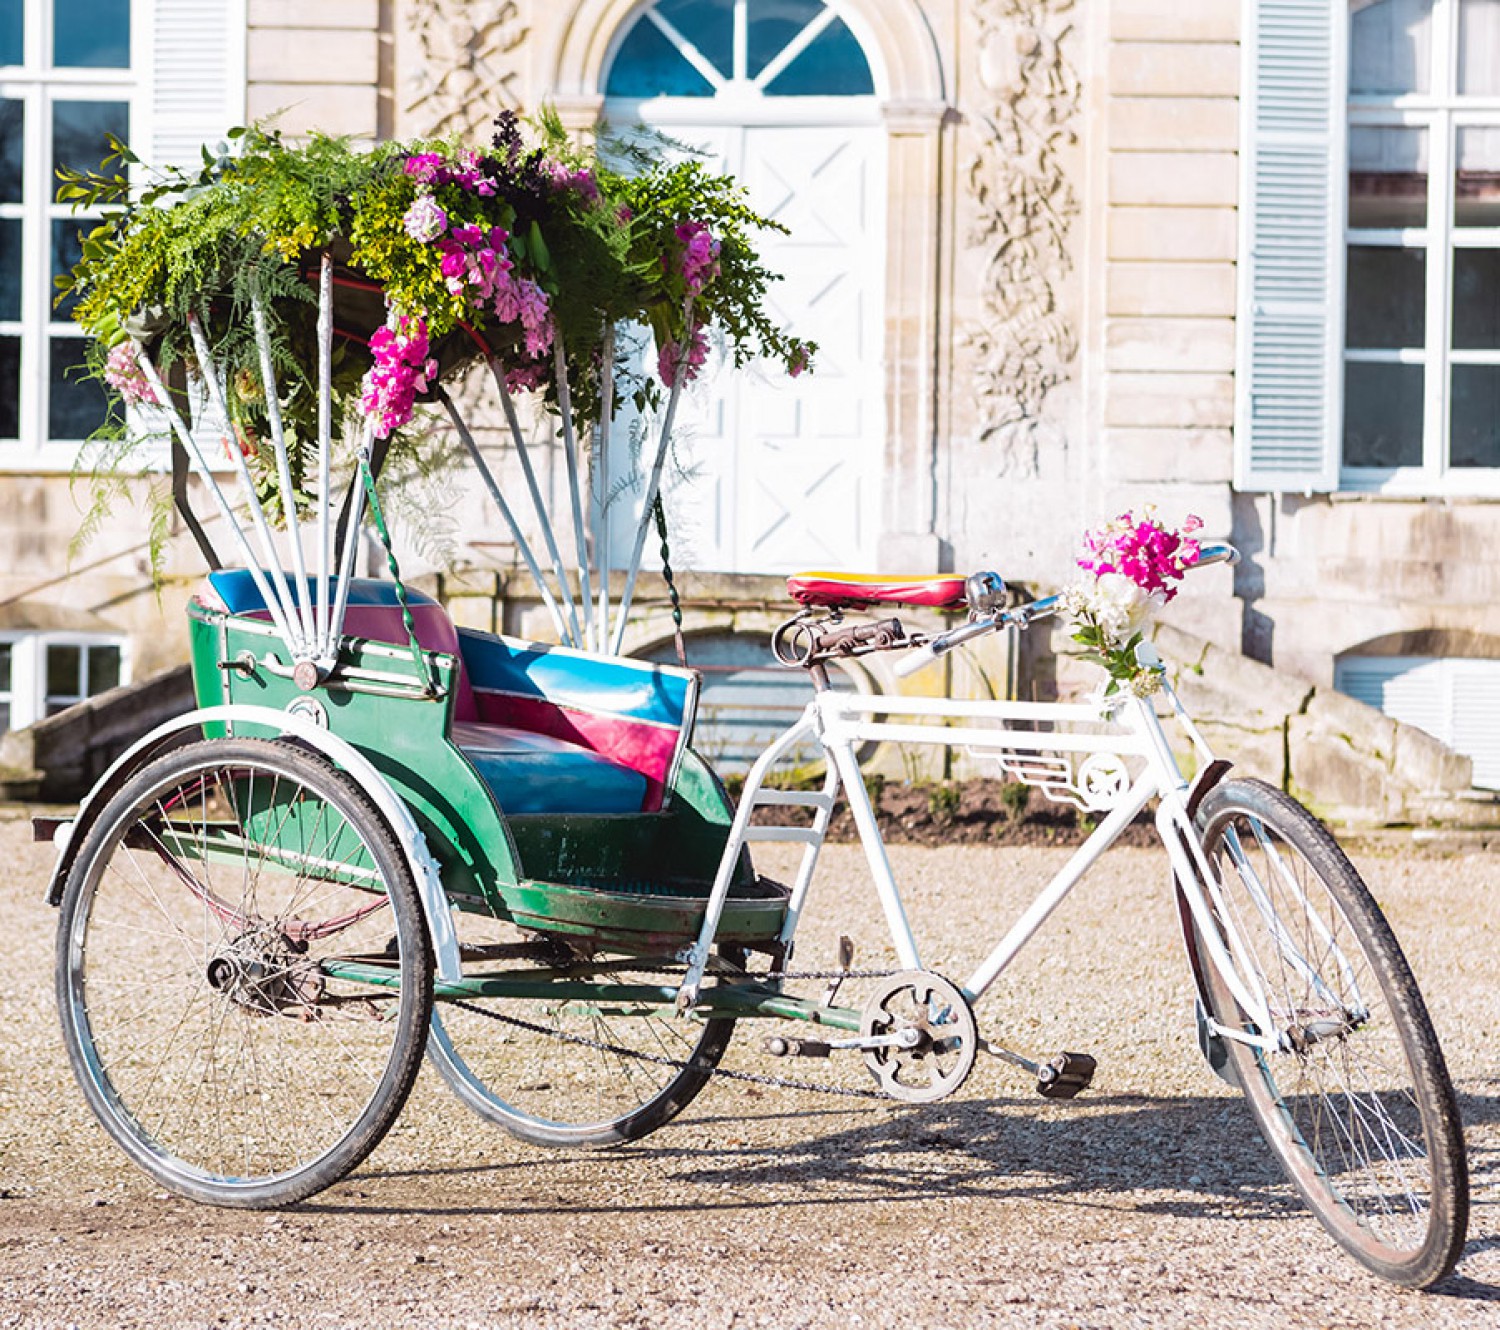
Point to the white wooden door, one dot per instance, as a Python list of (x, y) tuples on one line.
[(772, 474)]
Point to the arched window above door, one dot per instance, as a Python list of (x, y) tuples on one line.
[(771, 48)]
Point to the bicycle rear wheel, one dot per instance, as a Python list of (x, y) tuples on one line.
[(243, 972), (1355, 1101)]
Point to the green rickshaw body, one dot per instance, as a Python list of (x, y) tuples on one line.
[(636, 879)]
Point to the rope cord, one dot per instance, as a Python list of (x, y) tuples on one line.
[(670, 580), (424, 667)]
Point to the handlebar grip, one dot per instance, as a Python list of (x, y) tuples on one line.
[(916, 660)]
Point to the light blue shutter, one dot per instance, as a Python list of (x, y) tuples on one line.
[(1288, 417), (197, 77)]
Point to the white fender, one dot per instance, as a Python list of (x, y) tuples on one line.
[(424, 867)]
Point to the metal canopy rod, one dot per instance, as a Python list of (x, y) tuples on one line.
[(599, 479), (325, 449), (565, 594), (283, 466), (281, 597), (570, 453), (523, 547), (653, 484), (185, 434)]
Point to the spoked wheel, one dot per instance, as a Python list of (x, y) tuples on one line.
[(243, 972), (572, 1067), (1355, 1099)]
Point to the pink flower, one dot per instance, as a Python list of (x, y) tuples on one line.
[(1142, 550), (123, 373), (425, 220), (400, 369), (700, 255), (801, 359), (527, 377), (689, 359), (425, 166)]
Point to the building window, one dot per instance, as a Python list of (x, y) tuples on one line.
[(67, 82), (1421, 374), (1455, 699), (44, 673), (711, 48)]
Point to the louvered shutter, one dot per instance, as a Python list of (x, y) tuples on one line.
[(197, 79), (1288, 417)]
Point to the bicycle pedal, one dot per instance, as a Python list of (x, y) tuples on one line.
[(1066, 1076), (779, 1047)]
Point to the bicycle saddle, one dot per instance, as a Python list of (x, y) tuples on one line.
[(939, 591)]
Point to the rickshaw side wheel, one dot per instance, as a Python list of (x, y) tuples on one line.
[(569, 1072), (244, 973)]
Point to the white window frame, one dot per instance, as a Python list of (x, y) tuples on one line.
[(185, 85), (1293, 251), (37, 84), (1442, 113), (28, 668)]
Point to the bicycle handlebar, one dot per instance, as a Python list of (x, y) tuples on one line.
[(1020, 616)]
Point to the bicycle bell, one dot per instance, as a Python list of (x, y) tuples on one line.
[(985, 593)]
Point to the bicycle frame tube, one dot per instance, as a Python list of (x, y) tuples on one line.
[(841, 722)]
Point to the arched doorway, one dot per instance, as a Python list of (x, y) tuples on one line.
[(777, 474)]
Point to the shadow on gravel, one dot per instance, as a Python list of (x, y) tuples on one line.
[(989, 1149)]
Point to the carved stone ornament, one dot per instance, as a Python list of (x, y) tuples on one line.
[(1024, 205), (468, 69)]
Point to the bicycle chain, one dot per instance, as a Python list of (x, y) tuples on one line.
[(750, 1077)]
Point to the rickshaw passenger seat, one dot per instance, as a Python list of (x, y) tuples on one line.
[(549, 729)]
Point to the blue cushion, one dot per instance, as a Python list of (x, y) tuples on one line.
[(535, 773)]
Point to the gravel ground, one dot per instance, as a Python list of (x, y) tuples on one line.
[(1150, 1202)]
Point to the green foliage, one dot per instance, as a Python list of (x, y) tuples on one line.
[(251, 224), (1015, 796)]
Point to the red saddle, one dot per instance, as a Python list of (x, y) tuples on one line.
[(937, 591)]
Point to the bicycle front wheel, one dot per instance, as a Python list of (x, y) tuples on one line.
[(1354, 1099), (243, 972)]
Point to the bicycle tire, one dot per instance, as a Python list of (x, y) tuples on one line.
[(1356, 1102), (196, 932), (536, 1066)]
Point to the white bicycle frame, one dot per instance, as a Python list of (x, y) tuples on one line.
[(839, 723)]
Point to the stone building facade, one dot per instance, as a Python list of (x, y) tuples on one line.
[(1074, 208)]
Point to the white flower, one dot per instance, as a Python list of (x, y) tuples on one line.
[(1115, 604)]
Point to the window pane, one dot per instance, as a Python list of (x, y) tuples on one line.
[(10, 387), (1475, 437), (771, 25), (648, 65), (76, 406), (1387, 176), (10, 268), (1476, 200), (92, 33), (5, 653), (12, 33), (64, 672), (833, 65), (1386, 301), (104, 669), (12, 127), (80, 132), (1479, 47), (1476, 298), (4, 717), (1383, 415), (1390, 48), (67, 249), (708, 24)]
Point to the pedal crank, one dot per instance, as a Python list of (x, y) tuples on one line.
[(1065, 1076)]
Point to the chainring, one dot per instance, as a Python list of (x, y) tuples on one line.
[(942, 1056)]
